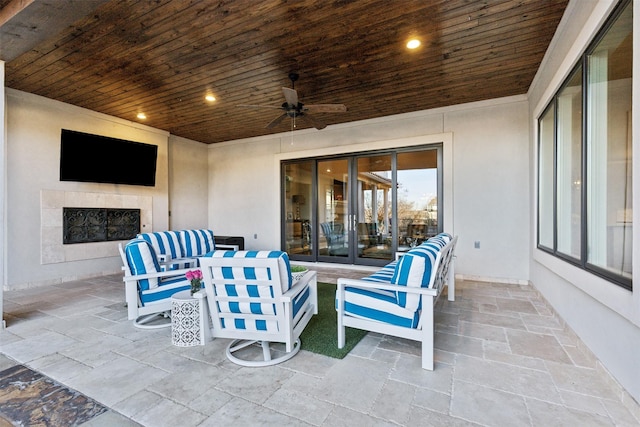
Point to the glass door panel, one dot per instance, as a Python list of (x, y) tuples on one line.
[(298, 208), (374, 209), (333, 210), (417, 197), (360, 209)]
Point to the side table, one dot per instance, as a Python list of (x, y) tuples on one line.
[(188, 314), (227, 241)]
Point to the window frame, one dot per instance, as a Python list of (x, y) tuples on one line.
[(582, 263)]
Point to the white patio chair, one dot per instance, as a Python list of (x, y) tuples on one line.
[(252, 300), (148, 286)]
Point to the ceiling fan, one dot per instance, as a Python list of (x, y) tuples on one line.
[(293, 108)]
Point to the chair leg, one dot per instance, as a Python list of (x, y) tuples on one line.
[(266, 351), (427, 333), (237, 345), (341, 337), (451, 282), (340, 302), (142, 321)]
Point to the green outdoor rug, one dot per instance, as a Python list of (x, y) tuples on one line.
[(321, 334)]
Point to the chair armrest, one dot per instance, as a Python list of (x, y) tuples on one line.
[(158, 275), (192, 262), (356, 283), (308, 278)]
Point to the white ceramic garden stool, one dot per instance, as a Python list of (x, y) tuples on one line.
[(188, 314)]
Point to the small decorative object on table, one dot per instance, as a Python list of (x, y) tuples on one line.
[(195, 277), (297, 271)]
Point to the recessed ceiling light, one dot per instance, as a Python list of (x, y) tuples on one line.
[(210, 98), (141, 116), (413, 44)]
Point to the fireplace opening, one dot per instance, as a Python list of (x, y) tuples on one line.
[(84, 225)]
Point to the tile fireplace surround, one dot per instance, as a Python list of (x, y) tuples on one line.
[(52, 250)]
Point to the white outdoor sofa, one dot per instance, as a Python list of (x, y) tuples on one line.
[(398, 300)]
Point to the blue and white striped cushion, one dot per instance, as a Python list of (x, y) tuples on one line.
[(380, 305), (252, 273), (444, 236), (262, 316), (164, 290), (383, 275), (142, 260), (439, 240), (197, 242), (410, 269), (245, 324), (251, 291), (428, 251), (259, 316), (415, 272), (165, 243)]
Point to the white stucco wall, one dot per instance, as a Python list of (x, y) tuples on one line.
[(188, 185), (243, 193), (491, 194), (604, 315), (33, 146), (485, 166)]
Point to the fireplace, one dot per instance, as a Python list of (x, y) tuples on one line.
[(84, 225)]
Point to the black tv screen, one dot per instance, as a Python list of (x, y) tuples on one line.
[(93, 158)]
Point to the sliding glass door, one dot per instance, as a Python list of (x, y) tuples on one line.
[(360, 209), (373, 213), (418, 213), (333, 212), (298, 208)]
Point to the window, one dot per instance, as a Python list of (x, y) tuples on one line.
[(569, 167), (584, 158), (545, 184)]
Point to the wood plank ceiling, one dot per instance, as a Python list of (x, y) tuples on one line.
[(161, 57)]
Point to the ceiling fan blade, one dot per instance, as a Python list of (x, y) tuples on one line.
[(291, 95), (275, 122), (313, 121), (326, 108), (259, 106)]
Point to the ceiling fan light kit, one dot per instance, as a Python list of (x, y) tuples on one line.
[(293, 108)]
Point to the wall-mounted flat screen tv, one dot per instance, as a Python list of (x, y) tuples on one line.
[(93, 158)]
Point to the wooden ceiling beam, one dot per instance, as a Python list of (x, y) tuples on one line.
[(11, 9)]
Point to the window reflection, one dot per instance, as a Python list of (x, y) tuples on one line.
[(374, 207), (297, 205), (417, 197), (333, 210), (609, 149)]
